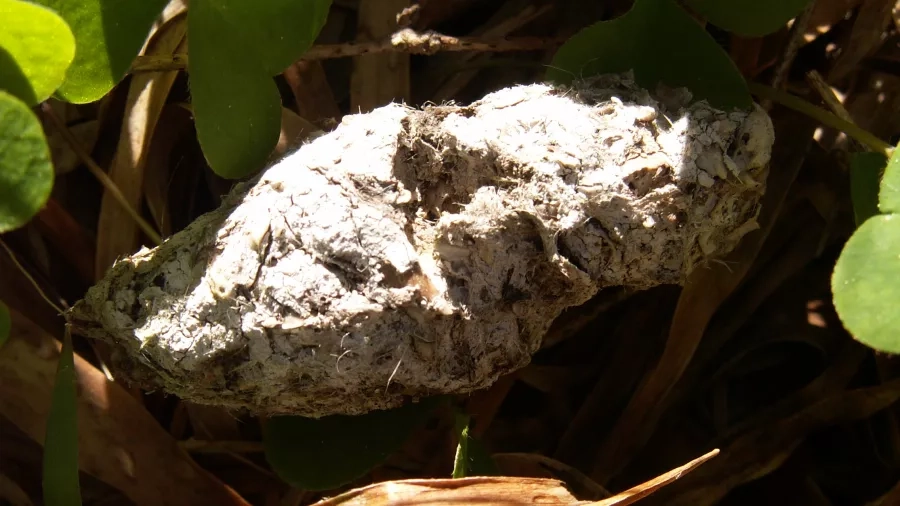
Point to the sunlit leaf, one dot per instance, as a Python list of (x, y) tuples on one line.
[(865, 176), (865, 287), (751, 18), (325, 453), (36, 48), (660, 42), (460, 467), (238, 118), (472, 458), (26, 172), (5, 323), (108, 36), (889, 195), (60, 481)]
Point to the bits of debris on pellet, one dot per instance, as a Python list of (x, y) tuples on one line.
[(418, 252)]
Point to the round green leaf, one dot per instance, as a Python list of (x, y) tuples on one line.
[(36, 48), (865, 283), (865, 176), (5, 323), (752, 18), (26, 172), (660, 43), (889, 195), (108, 35), (60, 466), (235, 48), (275, 32), (325, 453)]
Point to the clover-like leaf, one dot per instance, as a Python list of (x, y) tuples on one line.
[(325, 453), (236, 47), (108, 36), (865, 175), (889, 194), (660, 42), (26, 171), (751, 18), (60, 481), (864, 283), (36, 48)]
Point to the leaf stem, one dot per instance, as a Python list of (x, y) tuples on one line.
[(108, 184), (822, 116)]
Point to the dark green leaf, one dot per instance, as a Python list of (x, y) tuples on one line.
[(889, 196), (26, 172), (325, 453), (752, 18), (660, 43), (108, 35), (235, 49), (865, 287), (36, 48), (60, 483), (5, 323), (865, 175)]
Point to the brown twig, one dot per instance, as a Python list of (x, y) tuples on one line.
[(406, 40)]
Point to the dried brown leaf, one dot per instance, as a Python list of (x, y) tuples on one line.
[(470, 491)]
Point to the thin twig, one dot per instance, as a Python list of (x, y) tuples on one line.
[(406, 41), (33, 281), (108, 184), (822, 116), (638, 492)]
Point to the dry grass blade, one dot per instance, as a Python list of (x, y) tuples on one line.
[(117, 234), (470, 491), (760, 451), (637, 493), (119, 442), (871, 20), (378, 79)]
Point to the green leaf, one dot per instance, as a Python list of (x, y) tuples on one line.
[(108, 36), (460, 467), (26, 172), (235, 48), (660, 43), (864, 283), (60, 483), (5, 323), (751, 18), (865, 175), (36, 48), (325, 453), (889, 196), (472, 458)]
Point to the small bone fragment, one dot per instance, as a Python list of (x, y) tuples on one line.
[(418, 252)]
